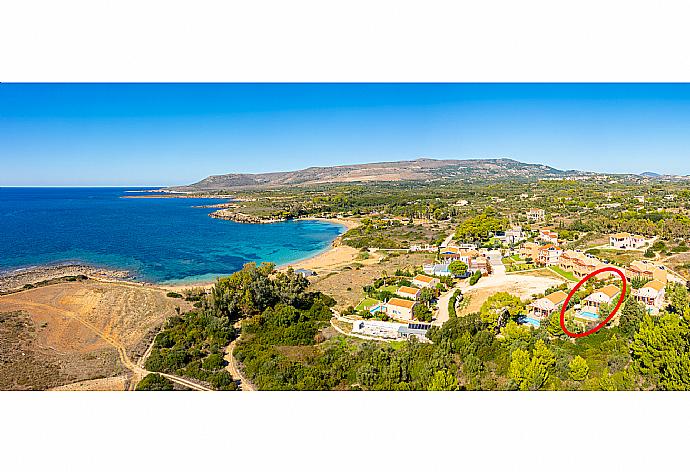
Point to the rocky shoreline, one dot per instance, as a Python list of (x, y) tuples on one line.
[(238, 217), (15, 280)]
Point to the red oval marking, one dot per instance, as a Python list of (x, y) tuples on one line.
[(608, 318)]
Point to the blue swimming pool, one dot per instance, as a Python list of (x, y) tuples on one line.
[(531, 321), (588, 315)]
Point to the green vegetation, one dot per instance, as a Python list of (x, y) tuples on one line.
[(498, 305), (457, 268), (564, 274), (366, 304), (174, 295), (475, 277), (479, 228), (422, 312), (192, 346), (155, 382)]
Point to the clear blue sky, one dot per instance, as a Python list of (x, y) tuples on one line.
[(164, 134)]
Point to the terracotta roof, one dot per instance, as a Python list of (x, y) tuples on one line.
[(423, 278), (621, 235), (401, 303), (654, 284), (557, 297), (548, 247), (610, 291), (410, 290)]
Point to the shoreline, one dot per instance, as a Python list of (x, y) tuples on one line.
[(15, 280), (12, 280), (330, 258)]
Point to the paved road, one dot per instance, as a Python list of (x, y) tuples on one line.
[(496, 260), (447, 241)]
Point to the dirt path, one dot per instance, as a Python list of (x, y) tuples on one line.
[(138, 372), (234, 369)]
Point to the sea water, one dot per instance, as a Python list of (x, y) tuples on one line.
[(158, 240)]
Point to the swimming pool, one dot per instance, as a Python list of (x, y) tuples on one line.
[(531, 321), (587, 315), (375, 308)]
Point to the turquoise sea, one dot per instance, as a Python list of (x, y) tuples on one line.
[(158, 240)]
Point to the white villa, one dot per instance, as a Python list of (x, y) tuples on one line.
[(425, 281), (409, 292), (450, 254), (548, 236), (535, 214), (651, 295), (549, 255), (626, 241), (399, 308), (599, 297), (423, 248), (513, 235), (544, 307)]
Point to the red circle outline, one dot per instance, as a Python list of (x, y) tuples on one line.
[(608, 318)]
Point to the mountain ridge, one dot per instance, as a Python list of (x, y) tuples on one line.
[(422, 169)]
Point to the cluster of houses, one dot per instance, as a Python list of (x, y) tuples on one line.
[(472, 257), (401, 307), (651, 295)]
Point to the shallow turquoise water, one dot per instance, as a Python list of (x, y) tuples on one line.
[(159, 240)]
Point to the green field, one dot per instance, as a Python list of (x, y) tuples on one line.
[(562, 273), (389, 288), (366, 304)]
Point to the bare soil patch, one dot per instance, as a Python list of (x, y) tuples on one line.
[(522, 285), (64, 331), (345, 285)]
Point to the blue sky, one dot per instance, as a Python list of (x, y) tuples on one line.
[(165, 134)]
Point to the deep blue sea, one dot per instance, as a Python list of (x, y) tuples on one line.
[(158, 240)]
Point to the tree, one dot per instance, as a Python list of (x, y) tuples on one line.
[(426, 295), (631, 317), (499, 303), (578, 369), (649, 253), (519, 365), (543, 356), (154, 382), (479, 227), (421, 312), (457, 268), (443, 381), (679, 300), (516, 336), (661, 352), (531, 373)]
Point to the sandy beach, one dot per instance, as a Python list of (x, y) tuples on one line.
[(330, 259)]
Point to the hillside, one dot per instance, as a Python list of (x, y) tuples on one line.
[(417, 170)]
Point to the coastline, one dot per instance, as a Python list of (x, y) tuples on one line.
[(331, 258), (12, 280)]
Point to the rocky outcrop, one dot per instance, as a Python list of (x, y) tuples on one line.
[(238, 217)]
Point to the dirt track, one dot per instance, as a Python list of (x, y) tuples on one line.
[(77, 327)]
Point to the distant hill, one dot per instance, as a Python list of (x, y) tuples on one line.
[(417, 170), (651, 175)]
